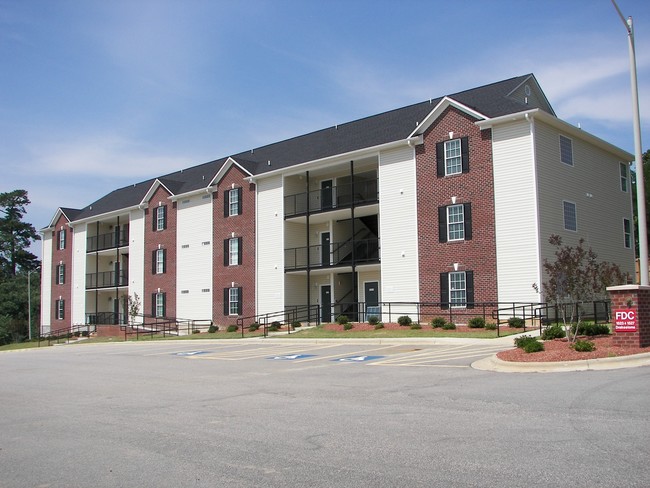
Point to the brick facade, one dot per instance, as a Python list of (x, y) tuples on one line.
[(61, 291), (634, 297), (160, 239), (235, 226), (475, 187)]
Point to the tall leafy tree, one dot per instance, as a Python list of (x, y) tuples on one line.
[(646, 177), (15, 235)]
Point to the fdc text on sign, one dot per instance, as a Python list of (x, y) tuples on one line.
[(625, 320)]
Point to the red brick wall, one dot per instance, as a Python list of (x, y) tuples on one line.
[(475, 187), (163, 239), (639, 299), (223, 227), (64, 291)]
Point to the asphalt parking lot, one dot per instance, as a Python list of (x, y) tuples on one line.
[(275, 414)]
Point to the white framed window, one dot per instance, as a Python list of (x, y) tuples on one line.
[(457, 289), (60, 274), (570, 216), (160, 305), (233, 202), (623, 171), (566, 150), (233, 301), (60, 309), (453, 157), (161, 218), (233, 251), (455, 223), (627, 233), (160, 261), (61, 243)]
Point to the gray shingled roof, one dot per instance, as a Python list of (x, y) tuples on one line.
[(491, 100)]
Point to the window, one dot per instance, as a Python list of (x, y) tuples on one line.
[(61, 239), (232, 251), (232, 204), (566, 150), (232, 301), (457, 289), (455, 222), (627, 233), (623, 169), (158, 304), (60, 274), (570, 218), (60, 309), (159, 261), (159, 221), (452, 157)]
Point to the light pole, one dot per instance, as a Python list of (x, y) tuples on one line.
[(640, 181), (29, 300)]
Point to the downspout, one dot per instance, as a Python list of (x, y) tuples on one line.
[(533, 149), (355, 289)]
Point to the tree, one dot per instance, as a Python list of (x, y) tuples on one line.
[(134, 307), (15, 235), (646, 177), (576, 277)]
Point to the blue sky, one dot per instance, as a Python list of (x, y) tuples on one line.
[(96, 95)]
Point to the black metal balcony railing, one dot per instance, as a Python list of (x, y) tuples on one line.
[(106, 318), (107, 241), (107, 279), (336, 254), (326, 199)]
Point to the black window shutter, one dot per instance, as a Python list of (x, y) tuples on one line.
[(63, 274), (239, 200), (464, 152), (154, 218), (239, 300), (65, 238), (164, 216), (164, 253), (164, 304), (62, 309), (226, 298), (440, 158), (469, 288), (226, 252), (444, 291), (153, 304), (226, 203), (467, 215), (240, 250), (153, 262), (442, 224)]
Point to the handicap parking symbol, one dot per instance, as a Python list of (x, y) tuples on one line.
[(291, 357), (356, 359), (190, 353)]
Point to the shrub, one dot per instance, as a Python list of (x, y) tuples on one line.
[(347, 326), (379, 325), (584, 346), (253, 327), (449, 326), (232, 328), (84, 333), (373, 320), (196, 331), (276, 324), (516, 322), (77, 333), (296, 324), (212, 329), (491, 326), (416, 326), (438, 322), (404, 320), (476, 323), (553, 332), (523, 340), (534, 346), (591, 329), (342, 319)]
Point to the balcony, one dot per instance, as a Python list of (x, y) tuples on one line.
[(111, 240), (335, 197), (337, 254), (106, 279)]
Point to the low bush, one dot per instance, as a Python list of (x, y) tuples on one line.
[(212, 329), (253, 327), (584, 346), (373, 320), (196, 331), (296, 324), (342, 319), (274, 327), (379, 325), (347, 326), (404, 320), (534, 346), (491, 326), (438, 322), (476, 323), (77, 333), (416, 326), (516, 322), (232, 328), (591, 329), (553, 332), (521, 341), (449, 326), (84, 333)]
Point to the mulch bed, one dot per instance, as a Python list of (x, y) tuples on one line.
[(560, 350)]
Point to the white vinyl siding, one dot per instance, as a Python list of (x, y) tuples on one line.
[(270, 245), (46, 282), (136, 254), (194, 262), (398, 227), (76, 310), (517, 237)]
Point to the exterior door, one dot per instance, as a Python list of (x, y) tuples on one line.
[(326, 303), (325, 249), (326, 199), (371, 294)]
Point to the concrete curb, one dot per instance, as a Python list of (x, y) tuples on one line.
[(493, 363)]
